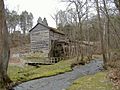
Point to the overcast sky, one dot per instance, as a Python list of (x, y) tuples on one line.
[(42, 8)]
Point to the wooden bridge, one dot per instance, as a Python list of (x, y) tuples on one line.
[(49, 61)]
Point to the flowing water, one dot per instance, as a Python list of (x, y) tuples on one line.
[(62, 81)]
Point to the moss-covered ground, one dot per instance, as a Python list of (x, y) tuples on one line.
[(92, 82), (26, 73), (20, 74)]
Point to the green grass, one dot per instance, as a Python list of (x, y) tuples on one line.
[(36, 57), (19, 74), (92, 82), (26, 73)]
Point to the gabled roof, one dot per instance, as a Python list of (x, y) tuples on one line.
[(50, 28)]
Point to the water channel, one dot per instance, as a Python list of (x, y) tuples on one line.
[(62, 81)]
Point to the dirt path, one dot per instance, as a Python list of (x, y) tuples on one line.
[(62, 81)]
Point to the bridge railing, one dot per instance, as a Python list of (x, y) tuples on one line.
[(55, 59)]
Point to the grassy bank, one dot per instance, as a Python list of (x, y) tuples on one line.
[(26, 73), (92, 82), (19, 74)]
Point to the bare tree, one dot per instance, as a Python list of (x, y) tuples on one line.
[(4, 49), (79, 16), (100, 31)]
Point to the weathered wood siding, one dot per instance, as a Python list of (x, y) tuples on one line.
[(55, 36), (40, 39)]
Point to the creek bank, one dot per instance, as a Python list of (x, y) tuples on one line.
[(62, 81), (97, 81)]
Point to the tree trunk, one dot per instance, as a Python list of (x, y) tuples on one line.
[(4, 49), (108, 29), (101, 33)]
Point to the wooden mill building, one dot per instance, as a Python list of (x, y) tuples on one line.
[(54, 43), (47, 40)]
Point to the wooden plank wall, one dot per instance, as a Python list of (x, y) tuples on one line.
[(40, 39)]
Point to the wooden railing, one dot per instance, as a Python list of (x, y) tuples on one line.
[(50, 60), (55, 59)]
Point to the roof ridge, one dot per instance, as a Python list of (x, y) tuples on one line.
[(51, 28)]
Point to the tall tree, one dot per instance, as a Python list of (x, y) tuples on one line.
[(45, 21), (107, 27), (39, 20), (29, 21), (4, 49), (23, 21), (14, 20), (26, 21), (100, 31), (80, 11)]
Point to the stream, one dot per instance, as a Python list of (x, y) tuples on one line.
[(62, 81)]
